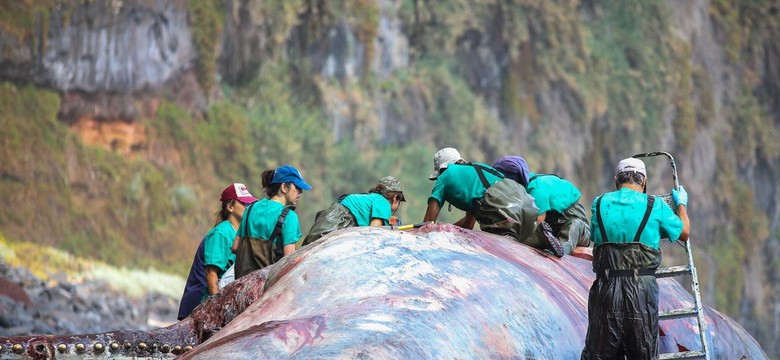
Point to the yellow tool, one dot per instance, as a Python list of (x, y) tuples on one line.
[(412, 226)]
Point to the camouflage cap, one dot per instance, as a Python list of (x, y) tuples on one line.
[(392, 184)]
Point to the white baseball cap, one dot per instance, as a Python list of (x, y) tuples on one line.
[(442, 159), (631, 165)]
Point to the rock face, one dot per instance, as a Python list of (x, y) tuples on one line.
[(103, 56)]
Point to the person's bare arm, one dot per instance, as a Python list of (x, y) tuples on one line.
[(432, 213), (289, 249), (376, 222), (541, 217), (212, 279), (467, 222), (682, 212)]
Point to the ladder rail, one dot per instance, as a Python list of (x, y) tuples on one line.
[(697, 300), (698, 308)]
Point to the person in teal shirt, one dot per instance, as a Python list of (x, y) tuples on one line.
[(213, 256), (371, 209), (623, 300), (499, 205), (270, 227), (561, 219)]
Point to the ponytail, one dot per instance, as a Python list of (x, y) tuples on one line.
[(269, 188), (378, 189), (223, 213)]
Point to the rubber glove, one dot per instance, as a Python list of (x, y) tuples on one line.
[(680, 196)]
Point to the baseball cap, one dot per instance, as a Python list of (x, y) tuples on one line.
[(237, 191), (289, 174), (442, 159), (514, 167), (392, 184), (631, 165)]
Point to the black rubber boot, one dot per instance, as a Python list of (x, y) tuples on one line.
[(555, 245)]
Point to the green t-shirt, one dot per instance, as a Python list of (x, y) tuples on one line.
[(622, 212), (460, 186), (261, 220), (552, 193), (216, 247), (365, 207)]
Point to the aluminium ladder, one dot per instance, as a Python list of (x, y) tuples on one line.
[(689, 269)]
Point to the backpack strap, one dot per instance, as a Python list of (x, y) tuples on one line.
[(650, 201), (249, 209), (276, 234), (481, 173)]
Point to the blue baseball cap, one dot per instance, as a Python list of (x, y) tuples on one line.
[(289, 174), (513, 167)]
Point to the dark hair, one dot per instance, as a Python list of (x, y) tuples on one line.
[(378, 189), (629, 177), (223, 213), (270, 189), (382, 190)]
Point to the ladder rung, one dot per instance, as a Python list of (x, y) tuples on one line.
[(677, 313), (673, 271), (683, 355)]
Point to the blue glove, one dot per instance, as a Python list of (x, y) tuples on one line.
[(680, 197)]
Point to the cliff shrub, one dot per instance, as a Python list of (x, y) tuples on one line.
[(207, 17)]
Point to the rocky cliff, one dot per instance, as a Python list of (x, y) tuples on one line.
[(571, 85)]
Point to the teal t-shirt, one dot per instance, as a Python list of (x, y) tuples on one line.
[(260, 219), (460, 186), (622, 212), (365, 207), (216, 247), (552, 193)]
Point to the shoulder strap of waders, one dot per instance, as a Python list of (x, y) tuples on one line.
[(538, 175), (598, 218), (481, 173), (276, 234), (650, 201)]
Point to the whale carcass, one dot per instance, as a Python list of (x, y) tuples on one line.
[(435, 292)]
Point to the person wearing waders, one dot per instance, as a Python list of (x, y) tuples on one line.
[(213, 256), (270, 227), (371, 209), (500, 205), (561, 220), (627, 226)]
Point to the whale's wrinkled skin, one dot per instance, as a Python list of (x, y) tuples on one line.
[(438, 292)]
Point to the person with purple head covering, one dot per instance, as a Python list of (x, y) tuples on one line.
[(513, 167), (500, 205), (561, 219)]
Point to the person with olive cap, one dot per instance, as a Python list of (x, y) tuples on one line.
[(500, 206), (561, 220), (270, 227), (371, 209), (627, 226)]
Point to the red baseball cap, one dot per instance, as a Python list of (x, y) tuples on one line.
[(237, 191)]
